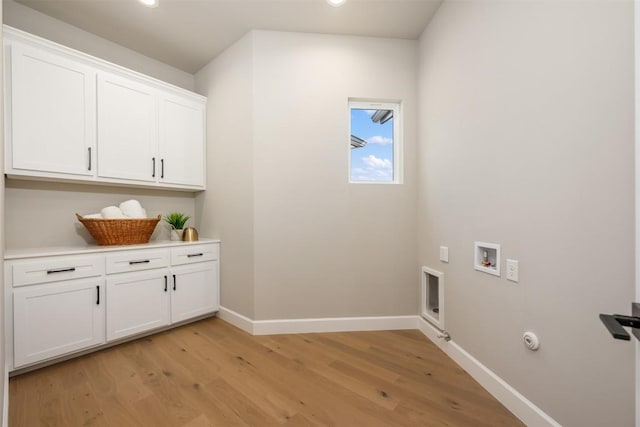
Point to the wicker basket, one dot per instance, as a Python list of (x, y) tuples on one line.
[(129, 231)]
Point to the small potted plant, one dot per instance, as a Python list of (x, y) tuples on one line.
[(177, 221)]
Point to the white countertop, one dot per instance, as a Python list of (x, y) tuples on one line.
[(80, 250)]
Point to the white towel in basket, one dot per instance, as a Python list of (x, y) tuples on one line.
[(133, 209), (112, 212)]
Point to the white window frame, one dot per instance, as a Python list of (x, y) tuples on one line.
[(396, 107)]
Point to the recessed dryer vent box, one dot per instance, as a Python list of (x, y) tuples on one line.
[(432, 296), (487, 258)]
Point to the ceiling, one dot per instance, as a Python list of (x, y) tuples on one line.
[(187, 34)]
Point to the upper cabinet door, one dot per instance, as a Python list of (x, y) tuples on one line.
[(182, 141), (51, 120), (76, 118), (127, 131)]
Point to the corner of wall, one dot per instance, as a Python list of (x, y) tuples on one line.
[(4, 377), (226, 208)]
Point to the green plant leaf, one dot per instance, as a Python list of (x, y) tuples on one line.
[(177, 220)]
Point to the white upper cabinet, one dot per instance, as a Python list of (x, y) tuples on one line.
[(73, 117), (52, 115), (127, 134), (182, 140)]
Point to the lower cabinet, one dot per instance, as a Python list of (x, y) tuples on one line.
[(191, 292), (144, 300), (54, 319), (59, 305), (137, 302)]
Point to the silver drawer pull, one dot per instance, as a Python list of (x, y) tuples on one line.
[(194, 255), (146, 261), (62, 270)]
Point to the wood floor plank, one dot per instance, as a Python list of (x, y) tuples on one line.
[(452, 393), (325, 368), (240, 373), (306, 347), (210, 373), (113, 375), (227, 400), (306, 386)]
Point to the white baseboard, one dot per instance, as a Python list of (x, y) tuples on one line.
[(335, 324), (331, 324), (236, 319), (519, 405)]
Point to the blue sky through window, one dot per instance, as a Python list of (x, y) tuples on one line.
[(374, 161)]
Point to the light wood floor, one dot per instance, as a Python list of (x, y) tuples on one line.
[(211, 374)]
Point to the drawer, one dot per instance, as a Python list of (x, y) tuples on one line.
[(55, 269), (194, 253), (122, 262)]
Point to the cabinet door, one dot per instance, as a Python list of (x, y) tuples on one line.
[(182, 141), (127, 129), (195, 290), (137, 302), (54, 319), (52, 120)]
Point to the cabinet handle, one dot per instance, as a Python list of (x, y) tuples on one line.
[(98, 292), (174, 282), (62, 270), (153, 170), (162, 168), (146, 261), (89, 157), (165, 283), (194, 255)]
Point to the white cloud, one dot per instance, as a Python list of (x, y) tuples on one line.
[(358, 171), (376, 163), (373, 169), (382, 140), (372, 176), (383, 174)]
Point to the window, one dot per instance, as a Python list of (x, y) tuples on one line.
[(374, 147)]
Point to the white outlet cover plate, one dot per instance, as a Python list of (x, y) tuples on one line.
[(512, 270), (444, 254)]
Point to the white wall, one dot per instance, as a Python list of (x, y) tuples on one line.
[(526, 139), (41, 214), (324, 247), (637, 189), (298, 240), (226, 208), (34, 22)]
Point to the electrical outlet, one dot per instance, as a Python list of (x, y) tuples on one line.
[(444, 254), (512, 270)]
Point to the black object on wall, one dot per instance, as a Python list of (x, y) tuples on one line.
[(615, 323)]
